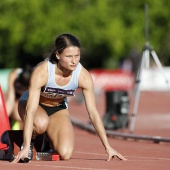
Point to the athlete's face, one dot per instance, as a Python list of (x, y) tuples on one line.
[(69, 58)]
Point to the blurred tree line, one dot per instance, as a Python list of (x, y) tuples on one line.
[(108, 29)]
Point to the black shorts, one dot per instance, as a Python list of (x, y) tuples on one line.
[(49, 110), (52, 110)]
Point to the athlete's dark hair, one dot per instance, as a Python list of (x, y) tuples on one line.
[(63, 41)]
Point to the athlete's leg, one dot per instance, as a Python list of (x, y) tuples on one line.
[(61, 134), (15, 120), (15, 114), (41, 119)]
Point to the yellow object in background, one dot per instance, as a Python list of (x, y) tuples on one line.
[(15, 125)]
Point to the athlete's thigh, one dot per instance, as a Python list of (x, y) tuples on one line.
[(41, 119), (40, 115), (60, 130)]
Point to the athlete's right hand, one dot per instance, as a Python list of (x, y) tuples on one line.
[(21, 155)]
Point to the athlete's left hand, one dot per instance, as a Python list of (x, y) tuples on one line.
[(112, 153)]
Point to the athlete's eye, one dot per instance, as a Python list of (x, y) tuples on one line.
[(78, 55), (68, 56)]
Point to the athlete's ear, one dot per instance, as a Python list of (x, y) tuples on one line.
[(57, 55)]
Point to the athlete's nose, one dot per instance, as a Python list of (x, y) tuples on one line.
[(73, 60)]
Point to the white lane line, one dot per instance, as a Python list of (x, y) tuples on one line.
[(140, 157), (66, 167), (50, 166)]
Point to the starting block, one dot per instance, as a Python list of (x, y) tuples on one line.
[(14, 139), (5, 125)]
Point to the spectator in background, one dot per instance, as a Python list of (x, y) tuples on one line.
[(17, 83), (132, 62), (127, 65), (135, 58)]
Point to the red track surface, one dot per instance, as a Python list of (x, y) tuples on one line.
[(153, 118)]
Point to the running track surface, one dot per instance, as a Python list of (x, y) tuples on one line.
[(153, 118)]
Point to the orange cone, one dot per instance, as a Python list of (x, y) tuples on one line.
[(4, 120)]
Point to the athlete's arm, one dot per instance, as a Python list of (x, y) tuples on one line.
[(38, 79), (86, 83)]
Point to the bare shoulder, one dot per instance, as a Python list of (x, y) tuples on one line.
[(40, 67), (85, 78), (40, 74)]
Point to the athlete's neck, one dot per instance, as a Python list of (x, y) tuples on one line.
[(62, 71)]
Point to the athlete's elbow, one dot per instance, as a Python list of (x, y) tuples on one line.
[(92, 117)]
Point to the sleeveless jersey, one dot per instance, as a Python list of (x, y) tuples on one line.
[(53, 91)]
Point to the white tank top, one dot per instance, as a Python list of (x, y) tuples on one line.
[(53, 91)]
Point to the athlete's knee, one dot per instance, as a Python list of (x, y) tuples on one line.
[(40, 125), (65, 153)]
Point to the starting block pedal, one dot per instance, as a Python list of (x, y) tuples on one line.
[(7, 153), (14, 139)]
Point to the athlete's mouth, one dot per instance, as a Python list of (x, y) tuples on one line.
[(73, 65)]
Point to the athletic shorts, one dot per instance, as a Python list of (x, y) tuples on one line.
[(49, 110), (52, 110)]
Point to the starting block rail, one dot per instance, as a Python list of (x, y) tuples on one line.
[(110, 133)]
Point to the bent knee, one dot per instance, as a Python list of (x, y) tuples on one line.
[(41, 125), (65, 154)]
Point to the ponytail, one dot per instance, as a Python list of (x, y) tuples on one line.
[(53, 57)]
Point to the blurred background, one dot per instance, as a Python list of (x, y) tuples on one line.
[(112, 34), (109, 30)]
